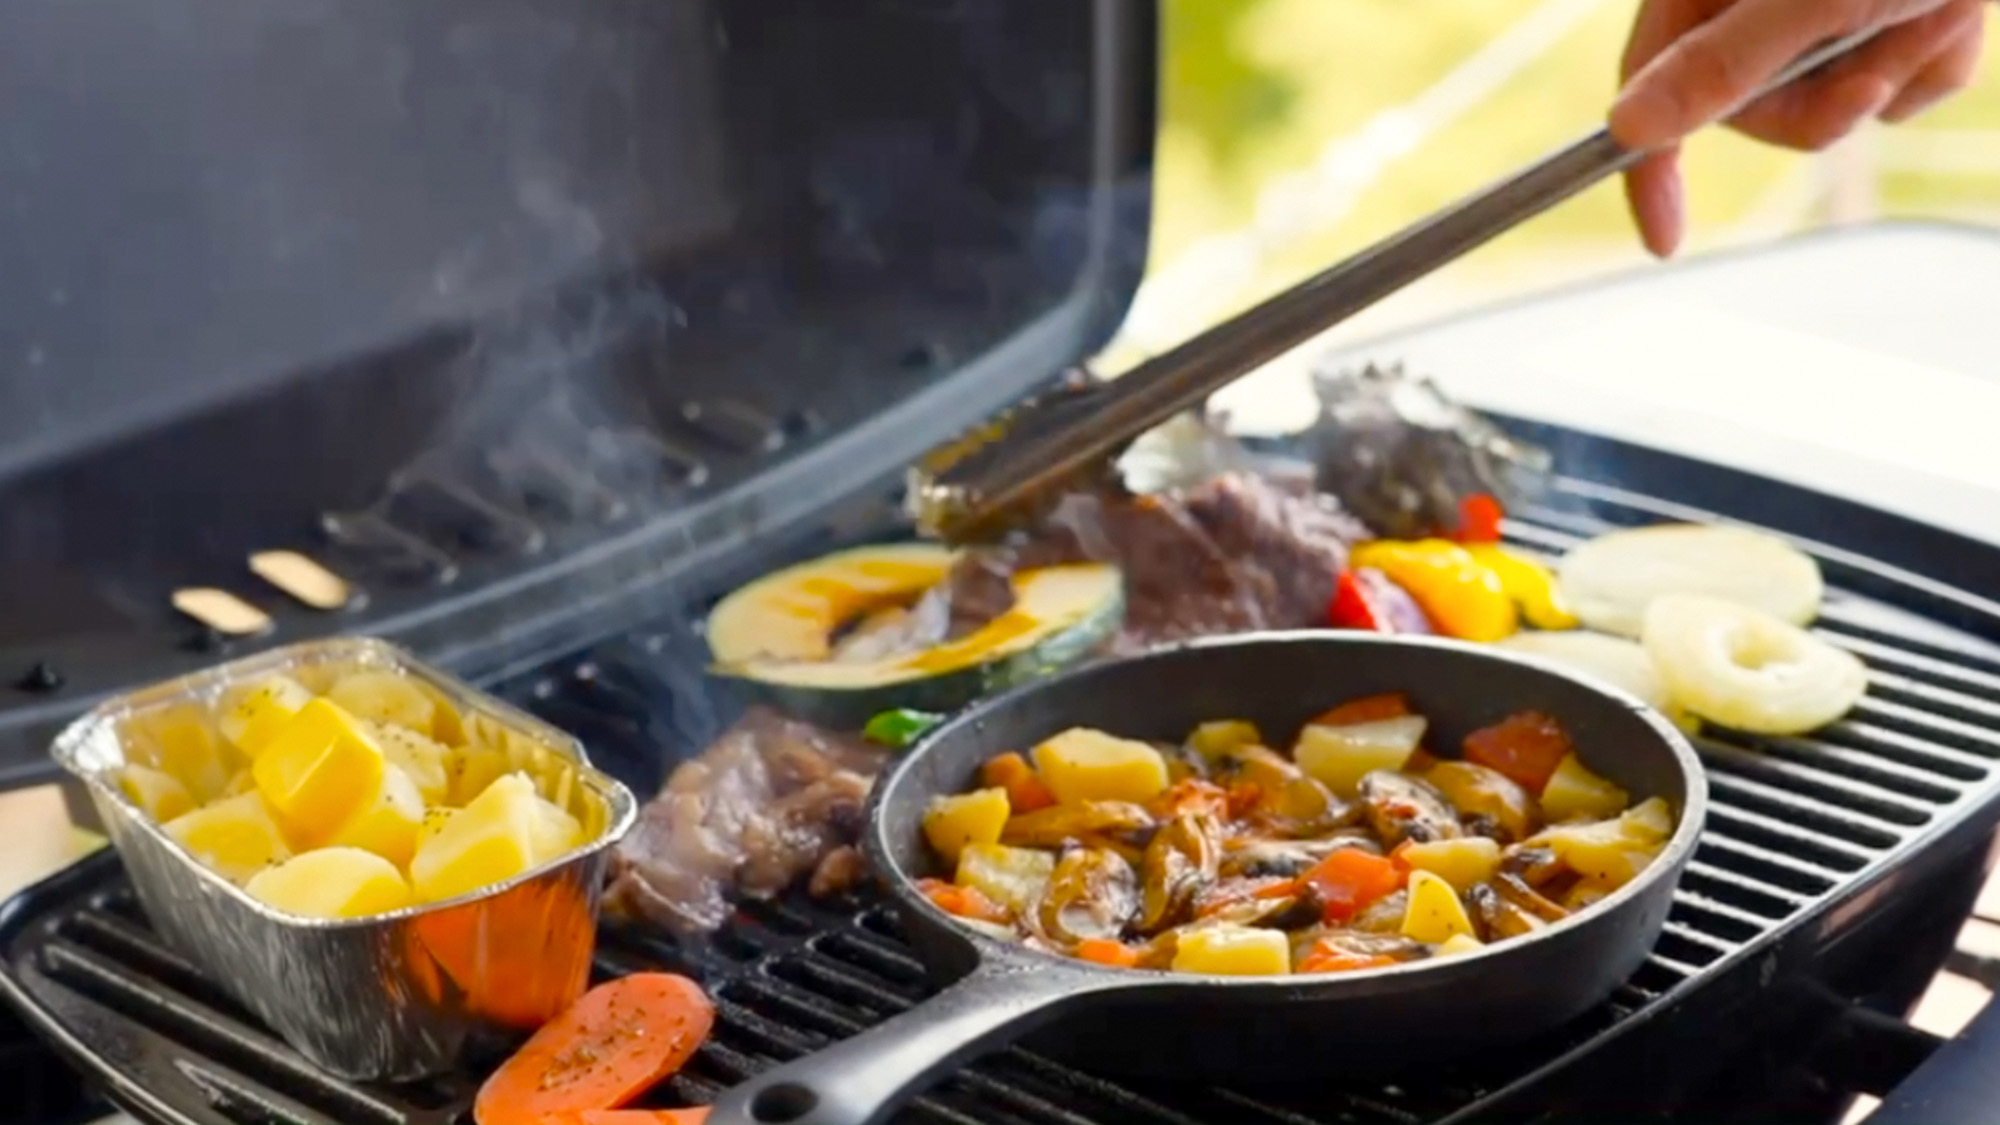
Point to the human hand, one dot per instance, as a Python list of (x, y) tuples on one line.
[(1693, 62)]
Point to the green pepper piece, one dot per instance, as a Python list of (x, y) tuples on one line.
[(900, 728)]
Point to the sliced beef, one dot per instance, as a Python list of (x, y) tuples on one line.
[(771, 801)]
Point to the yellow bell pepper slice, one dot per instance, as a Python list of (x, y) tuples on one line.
[(1462, 598), (1529, 583)]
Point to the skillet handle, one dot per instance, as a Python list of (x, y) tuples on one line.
[(861, 1081)]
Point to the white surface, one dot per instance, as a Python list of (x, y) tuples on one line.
[(1864, 363)]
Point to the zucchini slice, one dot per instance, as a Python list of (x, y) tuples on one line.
[(778, 636)]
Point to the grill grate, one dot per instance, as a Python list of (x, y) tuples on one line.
[(1797, 827)]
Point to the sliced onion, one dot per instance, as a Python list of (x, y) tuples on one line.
[(1619, 662), (1609, 581), (1743, 668)]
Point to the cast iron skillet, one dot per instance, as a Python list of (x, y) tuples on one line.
[(1236, 1027)]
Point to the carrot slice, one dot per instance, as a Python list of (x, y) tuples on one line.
[(966, 902), (1025, 789), (693, 1115), (1349, 880), (613, 1044), (1367, 709), (1104, 951), (1324, 957)]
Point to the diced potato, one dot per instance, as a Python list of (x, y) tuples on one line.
[(1650, 819), (1457, 944), (157, 794), (446, 725), (332, 883), (261, 711), (425, 760), (1574, 791), (236, 837), (489, 841), (471, 770), (1236, 951), (1338, 757), (385, 697), (1463, 862), (386, 826), (243, 782), (318, 772), (1081, 764), (1012, 877), (1612, 851), (968, 818), (1435, 913), (1215, 740), (557, 833), (180, 742)]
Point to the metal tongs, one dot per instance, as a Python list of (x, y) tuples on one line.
[(979, 484)]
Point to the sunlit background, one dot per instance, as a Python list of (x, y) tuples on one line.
[(1296, 131)]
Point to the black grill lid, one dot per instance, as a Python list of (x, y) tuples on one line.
[(510, 308)]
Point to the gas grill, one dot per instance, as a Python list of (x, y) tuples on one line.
[(543, 468)]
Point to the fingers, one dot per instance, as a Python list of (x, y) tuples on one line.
[(1815, 112), (1952, 69), (1708, 71), (1654, 195)]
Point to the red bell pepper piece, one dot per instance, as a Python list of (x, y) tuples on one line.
[(1526, 747), (1354, 607), (1367, 709), (1479, 518)]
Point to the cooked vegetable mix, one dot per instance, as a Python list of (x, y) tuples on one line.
[(1359, 849)]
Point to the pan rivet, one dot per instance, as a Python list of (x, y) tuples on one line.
[(787, 1101)]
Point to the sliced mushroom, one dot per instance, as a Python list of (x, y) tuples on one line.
[(1400, 807), (1490, 802), (1253, 859), (1537, 867), (1498, 918), (1384, 915), (1082, 821), (1093, 893), (1512, 888), (1182, 858)]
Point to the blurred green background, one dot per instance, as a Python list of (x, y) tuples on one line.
[(1295, 131)]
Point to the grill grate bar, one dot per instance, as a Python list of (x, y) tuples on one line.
[(1767, 866), (1896, 653), (1883, 717), (1722, 920), (1809, 795), (1879, 773), (1773, 904), (117, 988), (1757, 829)]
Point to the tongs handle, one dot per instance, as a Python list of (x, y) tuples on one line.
[(1071, 433)]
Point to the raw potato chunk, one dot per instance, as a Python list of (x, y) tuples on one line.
[(1338, 757), (385, 697), (318, 772), (557, 833), (180, 742), (235, 837), (490, 840), (425, 760), (968, 818), (262, 711), (156, 793), (332, 883), (1573, 791), (386, 826), (1012, 877), (1081, 764), (471, 770), (1236, 951), (1463, 862), (1435, 914)]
